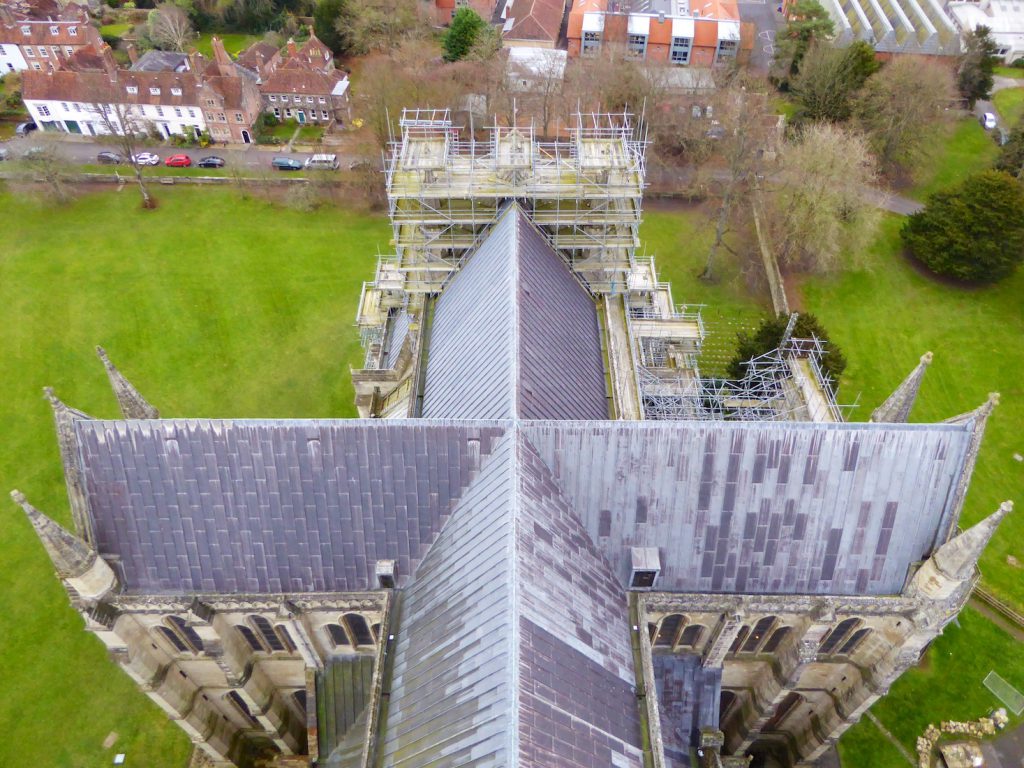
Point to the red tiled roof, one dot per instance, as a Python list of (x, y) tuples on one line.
[(535, 20)]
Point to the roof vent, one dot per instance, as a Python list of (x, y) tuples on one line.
[(646, 566), (385, 570)]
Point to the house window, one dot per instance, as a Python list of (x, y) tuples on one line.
[(64, 106), (209, 117), (323, 113), (209, 102), (26, 30), (68, 50), (309, 99), (78, 107), (159, 111), (591, 42), (680, 53), (73, 31), (132, 89), (30, 52), (177, 112), (175, 91), (238, 117), (43, 52), (54, 30), (321, 99), (297, 99), (191, 113), (44, 111), (273, 97), (154, 91), (287, 113), (277, 112), (2, 51), (727, 48), (221, 118), (638, 45), (35, 66)]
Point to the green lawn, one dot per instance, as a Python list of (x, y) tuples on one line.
[(309, 133), (946, 687), (1010, 103), (679, 240), (115, 30), (885, 316), (234, 43), (1015, 72), (215, 307), (965, 149)]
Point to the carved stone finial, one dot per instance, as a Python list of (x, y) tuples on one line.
[(64, 418), (132, 404), (978, 418), (70, 555), (957, 557), (897, 407)]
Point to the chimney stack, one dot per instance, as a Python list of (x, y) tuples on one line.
[(293, 49), (133, 52), (220, 55)]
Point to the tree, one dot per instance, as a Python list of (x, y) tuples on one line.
[(170, 28), (123, 128), (48, 165), (974, 232), (1011, 156), (381, 25), (976, 68), (808, 22), (828, 79), (815, 208), (899, 108), (769, 335), (466, 26), (333, 22)]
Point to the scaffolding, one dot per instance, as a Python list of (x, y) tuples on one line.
[(445, 190)]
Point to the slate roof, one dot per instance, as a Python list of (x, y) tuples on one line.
[(515, 335), (761, 507), (161, 61), (271, 506), (688, 700), (513, 647)]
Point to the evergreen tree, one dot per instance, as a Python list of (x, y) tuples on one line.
[(974, 232), (333, 23), (768, 336), (808, 22), (829, 77), (1011, 156), (466, 26), (975, 73)]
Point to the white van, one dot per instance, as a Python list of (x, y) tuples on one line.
[(323, 162)]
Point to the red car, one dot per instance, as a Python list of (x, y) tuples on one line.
[(178, 161)]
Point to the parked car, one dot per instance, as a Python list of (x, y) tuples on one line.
[(326, 162), (146, 158), (178, 161), (109, 158), (285, 164), (24, 129), (4, 154), (988, 121), (211, 162)]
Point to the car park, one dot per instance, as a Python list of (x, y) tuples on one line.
[(146, 158), (285, 164), (178, 161), (109, 158), (211, 162), (988, 121), (23, 129)]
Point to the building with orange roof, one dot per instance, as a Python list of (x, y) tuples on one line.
[(683, 32)]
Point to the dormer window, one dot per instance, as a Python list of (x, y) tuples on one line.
[(175, 91), (43, 52), (133, 89), (73, 31), (54, 30), (26, 29), (154, 91)]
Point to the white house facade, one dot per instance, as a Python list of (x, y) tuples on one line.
[(85, 117), (11, 59)]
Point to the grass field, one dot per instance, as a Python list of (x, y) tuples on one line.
[(964, 149), (234, 43), (308, 132), (115, 30), (1010, 103), (1015, 72), (215, 307), (947, 686), (885, 316)]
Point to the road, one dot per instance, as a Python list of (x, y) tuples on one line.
[(81, 150)]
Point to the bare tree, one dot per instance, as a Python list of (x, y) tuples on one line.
[(816, 210), (123, 127), (900, 106), (170, 28), (742, 134), (47, 164), (539, 84)]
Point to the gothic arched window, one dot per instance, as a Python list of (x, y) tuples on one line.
[(358, 628), (838, 635), (853, 643), (759, 634), (691, 635), (180, 635), (269, 637), (250, 637), (669, 630), (337, 634), (777, 639)]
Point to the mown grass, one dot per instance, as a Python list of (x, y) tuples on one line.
[(963, 148), (1010, 103), (947, 686), (214, 306), (234, 43), (888, 313), (115, 30), (1015, 72)]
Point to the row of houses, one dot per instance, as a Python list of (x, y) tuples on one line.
[(86, 92), (33, 35)]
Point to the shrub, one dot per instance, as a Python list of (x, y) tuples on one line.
[(768, 336), (466, 26), (974, 232)]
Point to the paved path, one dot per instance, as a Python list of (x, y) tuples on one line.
[(887, 201), (1007, 751)]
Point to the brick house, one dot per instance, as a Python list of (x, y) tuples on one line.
[(299, 82), (33, 36), (88, 94)]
